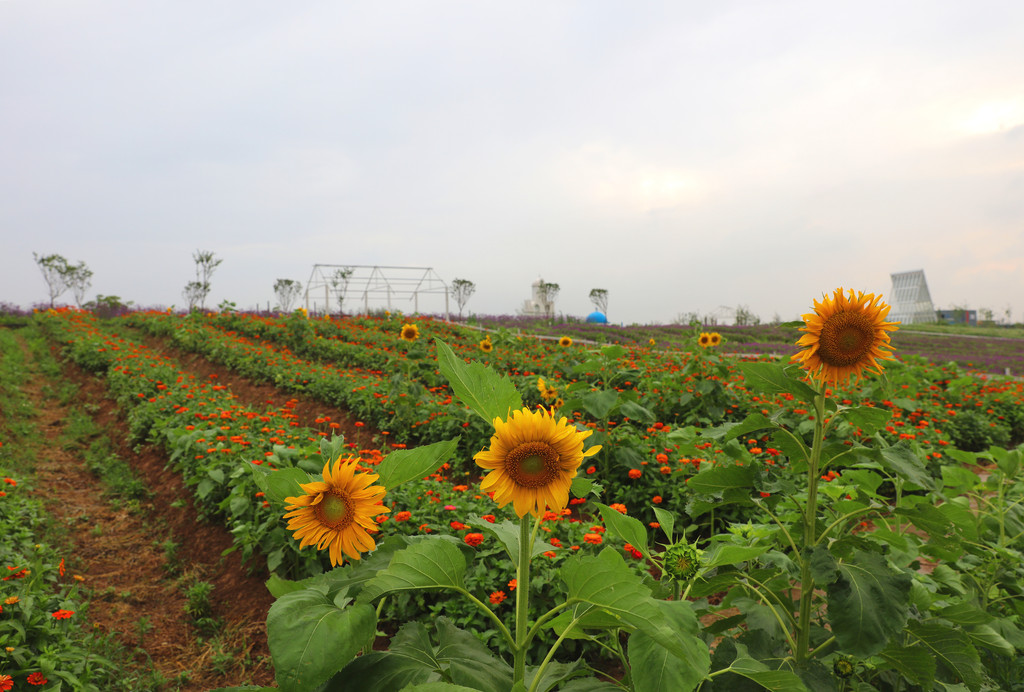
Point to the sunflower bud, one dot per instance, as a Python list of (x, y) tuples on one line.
[(843, 668), (682, 562)]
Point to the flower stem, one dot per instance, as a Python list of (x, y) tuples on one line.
[(810, 521), (522, 599)]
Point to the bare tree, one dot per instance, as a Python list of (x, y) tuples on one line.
[(746, 317), (548, 293), (79, 279), (461, 290), (55, 273), (287, 291), (339, 282), (599, 297), (196, 291)]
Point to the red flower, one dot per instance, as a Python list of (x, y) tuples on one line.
[(497, 597), (6, 683), (593, 538), (63, 614), (489, 518), (512, 584), (37, 679), (620, 508), (474, 539), (403, 516), (635, 473)]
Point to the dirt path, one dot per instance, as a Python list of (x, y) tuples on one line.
[(136, 564)]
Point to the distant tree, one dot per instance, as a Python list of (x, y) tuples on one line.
[(107, 306), (461, 290), (287, 291), (745, 317), (55, 273), (548, 293), (339, 282), (987, 314), (599, 297), (79, 279), (1008, 314), (196, 291)]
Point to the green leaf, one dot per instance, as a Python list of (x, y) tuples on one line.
[(752, 423), (282, 483), (434, 563), (730, 554), (868, 418), (404, 465), (824, 567), (310, 639), (508, 534), (553, 675), (573, 626), (774, 379), (600, 404), (606, 582), (484, 391), (715, 481), (952, 650), (901, 460), (654, 668), (331, 449), (913, 662), (437, 687), (868, 604), (774, 680), (667, 521), (635, 411), (627, 528), (468, 661), (986, 637), (380, 671)]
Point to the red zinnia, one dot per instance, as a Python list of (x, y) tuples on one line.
[(6, 683), (63, 614), (37, 679), (497, 597), (474, 539), (403, 516)]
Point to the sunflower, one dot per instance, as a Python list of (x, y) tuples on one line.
[(486, 346), (410, 332), (704, 339), (565, 341), (716, 338), (532, 461), (338, 511), (546, 392), (845, 335)]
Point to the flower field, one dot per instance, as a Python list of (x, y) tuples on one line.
[(730, 525)]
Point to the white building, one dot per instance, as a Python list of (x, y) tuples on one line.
[(910, 300)]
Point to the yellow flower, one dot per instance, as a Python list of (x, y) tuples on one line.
[(532, 461), (651, 342), (337, 512), (486, 346), (565, 341), (845, 335), (410, 332), (704, 339), (547, 393), (716, 338)]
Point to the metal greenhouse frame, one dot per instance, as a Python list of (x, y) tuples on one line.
[(367, 283)]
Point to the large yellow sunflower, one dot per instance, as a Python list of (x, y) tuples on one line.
[(532, 461), (338, 511), (410, 332), (715, 339), (704, 339), (845, 335)]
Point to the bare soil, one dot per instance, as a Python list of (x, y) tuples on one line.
[(135, 581)]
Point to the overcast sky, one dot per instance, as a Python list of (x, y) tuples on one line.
[(684, 156)]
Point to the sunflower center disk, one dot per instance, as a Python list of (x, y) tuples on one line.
[(846, 338), (334, 510), (532, 464)]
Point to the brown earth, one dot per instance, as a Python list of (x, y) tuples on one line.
[(136, 583)]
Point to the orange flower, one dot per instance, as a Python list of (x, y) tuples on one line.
[(474, 539), (497, 597), (37, 678), (635, 473), (512, 584), (63, 614), (618, 507), (656, 499), (593, 538), (403, 516)]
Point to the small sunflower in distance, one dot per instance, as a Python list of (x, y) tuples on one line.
[(716, 339), (565, 341), (486, 346), (704, 340), (337, 512), (845, 335), (410, 332), (532, 460)]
